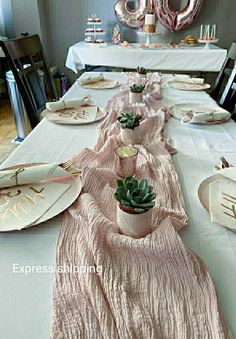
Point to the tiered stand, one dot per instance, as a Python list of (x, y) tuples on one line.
[(95, 34)]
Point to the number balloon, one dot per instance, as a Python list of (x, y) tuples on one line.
[(132, 12), (176, 20)]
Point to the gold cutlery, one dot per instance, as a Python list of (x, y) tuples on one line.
[(68, 166)]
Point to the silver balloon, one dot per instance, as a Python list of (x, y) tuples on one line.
[(176, 20), (132, 12)]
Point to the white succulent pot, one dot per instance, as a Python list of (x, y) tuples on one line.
[(134, 225), (135, 97), (130, 136)]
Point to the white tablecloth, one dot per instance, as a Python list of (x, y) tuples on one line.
[(168, 59), (25, 310)]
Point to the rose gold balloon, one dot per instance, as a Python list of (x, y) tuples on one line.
[(132, 17), (176, 20)]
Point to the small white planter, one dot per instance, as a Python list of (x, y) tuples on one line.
[(130, 136), (135, 97), (134, 225)]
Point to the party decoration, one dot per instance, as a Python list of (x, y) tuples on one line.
[(116, 35), (176, 20), (132, 12)]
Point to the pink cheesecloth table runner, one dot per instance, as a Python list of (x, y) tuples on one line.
[(152, 287)]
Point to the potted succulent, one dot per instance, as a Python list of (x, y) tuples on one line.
[(130, 133), (136, 93), (135, 201), (142, 72)]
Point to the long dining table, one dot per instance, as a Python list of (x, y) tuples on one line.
[(26, 299)]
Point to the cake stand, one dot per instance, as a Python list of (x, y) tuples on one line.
[(147, 35), (208, 42)]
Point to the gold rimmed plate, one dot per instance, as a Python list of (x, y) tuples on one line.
[(103, 84), (188, 87), (82, 115), (179, 111), (59, 205), (203, 192)]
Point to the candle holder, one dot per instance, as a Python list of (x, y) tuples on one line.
[(208, 35), (126, 160)]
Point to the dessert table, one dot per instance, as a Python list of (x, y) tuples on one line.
[(26, 310), (162, 59)]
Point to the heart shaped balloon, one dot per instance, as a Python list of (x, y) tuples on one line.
[(132, 17), (176, 20)]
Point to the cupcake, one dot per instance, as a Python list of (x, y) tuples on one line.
[(89, 30), (97, 20), (88, 39)]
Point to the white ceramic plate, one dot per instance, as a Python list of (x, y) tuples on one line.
[(179, 111), (203, 191), (104, 84), (61, 204), (189, 87), (70, 120)]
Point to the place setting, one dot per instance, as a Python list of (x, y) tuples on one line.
[(217, 195), (97, 82), (81, 111), (187, 83), (196, 113), (32, 193)]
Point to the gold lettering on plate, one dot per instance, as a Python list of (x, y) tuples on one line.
[(37, 195), (19, 208), (16, 209)]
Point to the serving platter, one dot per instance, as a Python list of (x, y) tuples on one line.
[(188, 87), (61, 204), (82, 115)]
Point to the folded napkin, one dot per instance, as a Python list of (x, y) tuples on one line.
[(187, 80), (91, 79), (68, 103), (222, 198), (30, 175), (192, 117)]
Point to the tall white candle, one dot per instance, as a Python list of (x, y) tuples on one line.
[(201, 32)]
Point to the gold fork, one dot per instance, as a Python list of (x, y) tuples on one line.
[(68, 166)]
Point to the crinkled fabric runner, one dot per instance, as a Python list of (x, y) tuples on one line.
[(149, 288)]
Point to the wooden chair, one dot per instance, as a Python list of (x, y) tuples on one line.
[(226, 96), (30, 69)]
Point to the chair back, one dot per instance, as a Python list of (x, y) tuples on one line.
[(31, 72), (225, 73)]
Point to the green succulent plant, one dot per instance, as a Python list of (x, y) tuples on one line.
[(135, 88), (129, 120), (141, 70), (135, 195)]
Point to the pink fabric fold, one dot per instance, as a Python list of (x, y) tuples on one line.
[(149, 288)]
